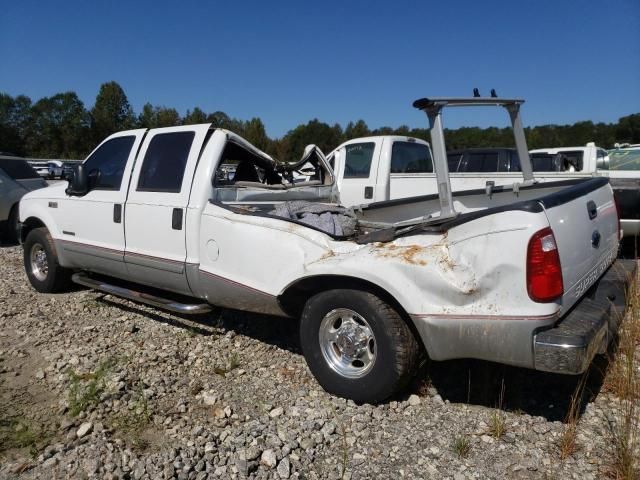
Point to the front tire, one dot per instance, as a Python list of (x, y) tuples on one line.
[(357, 345), (41, 263)]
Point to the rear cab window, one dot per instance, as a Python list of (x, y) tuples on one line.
[(358, 157), (482, 162), (407, 157)]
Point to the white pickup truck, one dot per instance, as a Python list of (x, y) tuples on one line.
[(387, 167), (523, 276)]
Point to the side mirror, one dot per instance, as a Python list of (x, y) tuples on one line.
[(79, 183)]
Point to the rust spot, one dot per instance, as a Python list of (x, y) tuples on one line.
[(406, 253)]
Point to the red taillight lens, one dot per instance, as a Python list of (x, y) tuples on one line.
[(544, 273)]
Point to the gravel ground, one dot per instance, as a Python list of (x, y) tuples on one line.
[(92, 386)]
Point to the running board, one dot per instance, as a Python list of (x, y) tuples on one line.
[(165, 303)]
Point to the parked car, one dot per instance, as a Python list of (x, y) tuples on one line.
[(49, 169), (501, 277), (16, 178)]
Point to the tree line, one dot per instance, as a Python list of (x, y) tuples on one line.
[(61, 127)]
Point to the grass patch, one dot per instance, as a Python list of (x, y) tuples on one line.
[(623, 381), (19, 433), (461, 446), (85, 388), (232, 363), (133, 424), (498, 420), (568, 441)]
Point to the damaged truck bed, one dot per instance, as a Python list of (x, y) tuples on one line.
[(524, 275)]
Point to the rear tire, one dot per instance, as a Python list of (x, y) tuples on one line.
[(357, 345), (41, 263)]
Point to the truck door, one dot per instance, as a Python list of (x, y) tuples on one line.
[(92, 225), (357, 169), (411, 170), (155, 214)]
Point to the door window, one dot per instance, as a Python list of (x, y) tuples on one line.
[(410, 158), (164, 163), (358, 156), (482, 162), (110, 159)]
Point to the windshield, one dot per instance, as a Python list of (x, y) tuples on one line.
[(17, 169), (624, 159)]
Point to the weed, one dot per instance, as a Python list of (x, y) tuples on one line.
[(234, 361), (623, 381), (85, 388), (133, 423), (461, 446), (19, 433), (567, 443), (497, 423), (232, 364)]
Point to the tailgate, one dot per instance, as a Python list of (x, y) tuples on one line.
[(584, 221)]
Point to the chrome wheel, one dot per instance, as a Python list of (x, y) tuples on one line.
[(347, 343), (39, 262)]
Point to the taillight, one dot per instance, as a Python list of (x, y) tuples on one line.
[(544, 273), (615, 200)]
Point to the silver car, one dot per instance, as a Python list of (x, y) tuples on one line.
[(16, 178)]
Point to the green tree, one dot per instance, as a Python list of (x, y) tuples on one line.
[(628, 129), (194, 117), (157, 117), (111, 112), (255, 133), (14, 120), (356, 130), (58, 127)]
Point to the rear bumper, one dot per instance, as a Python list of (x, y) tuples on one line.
[(570, 345)]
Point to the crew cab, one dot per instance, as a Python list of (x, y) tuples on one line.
[(521, 276)]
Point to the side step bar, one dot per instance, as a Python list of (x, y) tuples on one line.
[(155, 301)]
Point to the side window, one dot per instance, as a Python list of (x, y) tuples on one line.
[(164, 163), (111, 160), (357, 163), (482, 162), (410, 158), (453, 159), (515, 163)]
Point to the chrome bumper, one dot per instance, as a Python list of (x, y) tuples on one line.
[(569, 347)]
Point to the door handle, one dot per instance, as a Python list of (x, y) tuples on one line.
[(368, 192), (117, 213), (592, 209), (176, 219)]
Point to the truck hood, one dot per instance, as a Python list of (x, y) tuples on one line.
[(53, 191)]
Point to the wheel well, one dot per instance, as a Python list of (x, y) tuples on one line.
[(295, 296), (28, 225)]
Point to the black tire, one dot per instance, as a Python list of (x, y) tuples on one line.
[(49, 278), (12, 225), (396, 349)]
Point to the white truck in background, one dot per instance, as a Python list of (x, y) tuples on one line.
[(379, 168)]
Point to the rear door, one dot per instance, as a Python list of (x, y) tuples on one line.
[(585, 225), (411, 170), (155, 213)]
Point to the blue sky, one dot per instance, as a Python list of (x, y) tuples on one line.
[(290, 61)]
